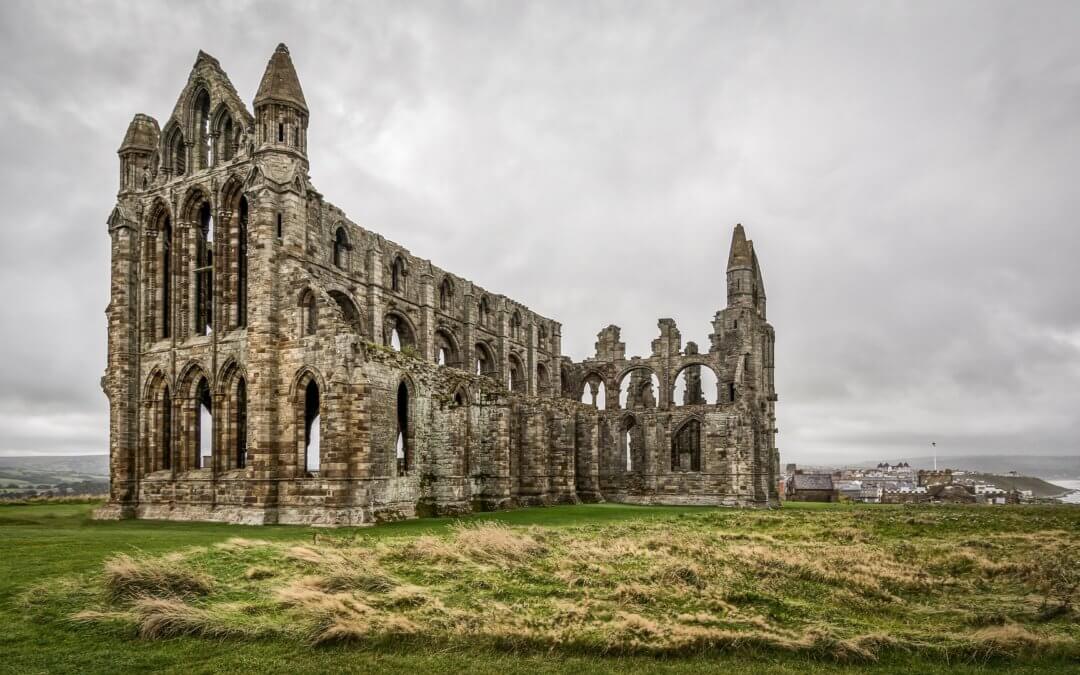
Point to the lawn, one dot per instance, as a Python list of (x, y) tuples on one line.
[(591, 588)]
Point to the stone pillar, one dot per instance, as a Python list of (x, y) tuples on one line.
[(376, 307), (426, 340), (120, 383), (586, 456), (267, 388), (468, 337)]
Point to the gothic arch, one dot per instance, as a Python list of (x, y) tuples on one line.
[(483, 311), (196, 406), (543, 379), (189, 377), (199, 127), (706, 391), (300, 378), (631, 443), (515, 377), (173, 149), (686, 442), (446, 349), (446, 293), (596, 386), (515, 325), (193, 199), (158, 429), (460, 396), (309, 395), (484, 360), (405, 395), (350, 309), (307, 308), (155, 379), (341, 247), (639, 398), (233, 394), (225, 128), (228, 372), (397, 321), (399, 274)]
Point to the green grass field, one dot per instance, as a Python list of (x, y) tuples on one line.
[(591, 588)]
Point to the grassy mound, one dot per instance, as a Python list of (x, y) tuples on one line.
[(838, 585)]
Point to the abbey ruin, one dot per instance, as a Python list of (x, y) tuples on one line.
[(270, 361)]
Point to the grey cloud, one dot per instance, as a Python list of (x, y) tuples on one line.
[(907, 172)]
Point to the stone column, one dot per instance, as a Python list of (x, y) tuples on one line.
[(426, 339)]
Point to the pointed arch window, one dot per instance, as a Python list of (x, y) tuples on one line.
[(166, 277), (179, 165), (242, 264), (202, 130), (204, 426), (398, 273), (228, 139), (686, 447), (341, 248), (403, 442), (632, 442), (543, 385), (484, 311), (446, 294), (241, 424), (515, 325), (516, 379), (204, 276), (312, 428), (309, 317), (166, 429)]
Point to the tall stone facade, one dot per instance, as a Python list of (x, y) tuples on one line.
[(270, 361)]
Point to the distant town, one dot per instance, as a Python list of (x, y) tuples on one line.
[(903, 484)]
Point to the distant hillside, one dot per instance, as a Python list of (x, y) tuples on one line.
[(1044, 466), (1038, 486), (92, 465), (22, 477)]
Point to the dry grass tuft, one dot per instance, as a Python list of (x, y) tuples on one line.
[(257, 572), (1009, 640), (363, 629), (241, 544), (680, 572), (494, 543), (171, 617), (304, 554), (125, 578)]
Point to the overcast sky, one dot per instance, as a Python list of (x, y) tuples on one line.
[(907, 171)]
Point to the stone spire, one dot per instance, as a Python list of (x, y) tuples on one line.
[(279, 83), (741, 255)]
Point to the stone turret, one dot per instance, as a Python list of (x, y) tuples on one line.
[(137, 153), (281, 112), (740, 273)]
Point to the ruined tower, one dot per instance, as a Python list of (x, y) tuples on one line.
[(270, 361)]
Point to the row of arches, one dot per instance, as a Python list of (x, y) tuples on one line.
[(194, 426), (186, 262), (399, 334), (693, 384), (399, 273), (212, 136)]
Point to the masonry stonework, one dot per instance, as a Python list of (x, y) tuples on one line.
[(270, 361)]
